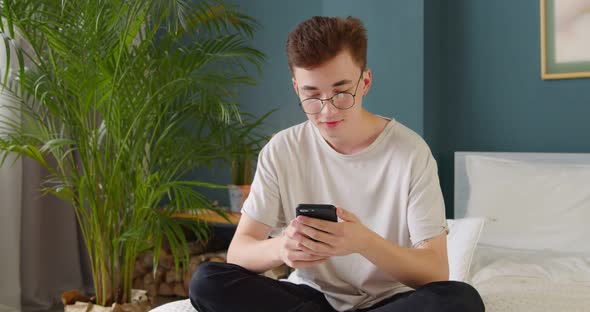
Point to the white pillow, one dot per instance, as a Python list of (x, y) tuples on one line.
[(530, 205), (461, 241)]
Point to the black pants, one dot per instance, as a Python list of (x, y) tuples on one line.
[(223, 287)]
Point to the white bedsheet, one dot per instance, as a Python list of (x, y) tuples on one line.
[(500, 294), (528, 281), (511, 280), (175, 306), (521, 294)]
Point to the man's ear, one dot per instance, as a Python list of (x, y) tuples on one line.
[(367, 81), (294, 85)]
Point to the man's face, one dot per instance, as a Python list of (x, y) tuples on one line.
[(339, 74)]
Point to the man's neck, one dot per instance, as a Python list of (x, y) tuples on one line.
[(369, 129)]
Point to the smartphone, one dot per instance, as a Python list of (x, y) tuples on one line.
[(318, 211)]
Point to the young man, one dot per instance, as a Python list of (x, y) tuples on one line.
[(388, 250)]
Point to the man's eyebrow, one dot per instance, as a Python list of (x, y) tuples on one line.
[(335, 84)]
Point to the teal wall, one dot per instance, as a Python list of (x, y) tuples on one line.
[(274, 89), (491, 94), (394, 56), (433, 39), (465, 74), (395, 32)]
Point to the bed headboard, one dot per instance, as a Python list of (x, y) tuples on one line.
[(462, 184)]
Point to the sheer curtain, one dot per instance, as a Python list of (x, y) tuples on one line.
[(10, 219), (52, 258), (41, 250)]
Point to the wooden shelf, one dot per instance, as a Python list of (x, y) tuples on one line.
[(210, 216)]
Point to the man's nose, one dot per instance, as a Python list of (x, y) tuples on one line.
[(329, 108)]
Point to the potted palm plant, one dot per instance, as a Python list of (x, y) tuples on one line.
[(118, 100), (246, 141), (239, 189)]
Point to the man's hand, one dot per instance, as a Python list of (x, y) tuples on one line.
[(292, 254), (326, 238)]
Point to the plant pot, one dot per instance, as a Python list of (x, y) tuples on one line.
[(237, 196), (139, 303)]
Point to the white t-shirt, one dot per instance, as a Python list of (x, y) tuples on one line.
[(392, 186)]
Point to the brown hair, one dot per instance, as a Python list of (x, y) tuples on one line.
[(319, 39)]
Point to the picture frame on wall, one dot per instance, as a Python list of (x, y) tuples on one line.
[(565, 39)]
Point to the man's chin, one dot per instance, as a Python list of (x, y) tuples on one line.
[(332, 134)]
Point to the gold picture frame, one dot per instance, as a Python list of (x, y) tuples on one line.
[(565, 53)]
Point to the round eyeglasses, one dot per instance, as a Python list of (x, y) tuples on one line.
[(341, 100)]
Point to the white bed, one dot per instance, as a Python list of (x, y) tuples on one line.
[(533, 254)]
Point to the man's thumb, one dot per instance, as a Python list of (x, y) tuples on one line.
[(345, 215)]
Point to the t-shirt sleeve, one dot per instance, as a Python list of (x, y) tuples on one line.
[(426, 208), (264, 201)]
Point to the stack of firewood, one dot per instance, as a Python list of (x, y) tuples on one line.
[(167, 281)]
